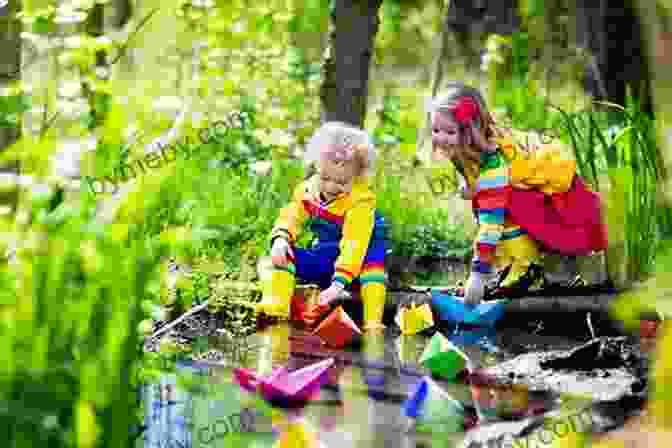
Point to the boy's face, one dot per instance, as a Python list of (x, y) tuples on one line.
[(335, 178)]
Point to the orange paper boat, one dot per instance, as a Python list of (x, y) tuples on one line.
[(284, 388), (305, 296), (337, 330)]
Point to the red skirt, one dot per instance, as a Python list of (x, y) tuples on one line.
[(569, 223)]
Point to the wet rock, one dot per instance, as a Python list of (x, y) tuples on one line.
[(600, 353), (638, 386), (609, 415), (528, 368)]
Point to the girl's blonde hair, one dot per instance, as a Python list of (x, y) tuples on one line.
[(466, 161), (456, 91), (339, 140)]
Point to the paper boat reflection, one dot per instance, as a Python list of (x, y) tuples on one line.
[(433, 409), (483, 337), (284, 388), (338, 329)]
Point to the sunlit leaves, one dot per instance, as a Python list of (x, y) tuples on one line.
[(30, 7), (33, 153), (12, 104), (87, 427)]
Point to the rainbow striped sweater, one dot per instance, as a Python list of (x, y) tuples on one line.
[(351, 220), (491, 196)]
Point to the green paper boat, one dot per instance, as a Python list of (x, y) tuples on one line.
[(443, 358)]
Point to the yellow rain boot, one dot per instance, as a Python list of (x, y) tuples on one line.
[(278, 292), (373, 298), (519, 253)]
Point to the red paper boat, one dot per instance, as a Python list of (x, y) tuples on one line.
[(337, 330), (286, 388)]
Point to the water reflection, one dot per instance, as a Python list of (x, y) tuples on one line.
[(168, 413), (360, 404)]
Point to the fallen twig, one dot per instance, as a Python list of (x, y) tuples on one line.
[(590, 326), (180, 319)]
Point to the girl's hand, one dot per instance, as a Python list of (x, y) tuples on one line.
[(475, 289)]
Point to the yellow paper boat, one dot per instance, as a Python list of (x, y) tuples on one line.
[(414, 318)]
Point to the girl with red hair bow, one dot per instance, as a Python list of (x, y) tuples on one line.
[(525, 202)]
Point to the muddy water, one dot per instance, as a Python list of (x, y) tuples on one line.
[(361, 404)]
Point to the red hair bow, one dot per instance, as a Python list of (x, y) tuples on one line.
[(465, 110)]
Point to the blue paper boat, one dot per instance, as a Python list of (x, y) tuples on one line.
[(452, 309)]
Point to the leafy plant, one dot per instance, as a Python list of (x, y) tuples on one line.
[(69, 336), (434, 240)]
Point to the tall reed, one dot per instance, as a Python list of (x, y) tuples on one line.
[(616, 151)]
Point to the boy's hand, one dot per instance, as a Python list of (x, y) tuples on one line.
[(280, 252), (313, 313), (330, 294)]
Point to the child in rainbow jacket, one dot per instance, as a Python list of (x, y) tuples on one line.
[(340, 209), (525, 202)]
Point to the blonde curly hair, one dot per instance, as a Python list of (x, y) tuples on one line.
[(342, 142)]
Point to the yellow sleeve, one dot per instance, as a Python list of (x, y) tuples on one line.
[(357, 232), (292, 217)]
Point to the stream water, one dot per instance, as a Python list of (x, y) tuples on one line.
[(362, 403)]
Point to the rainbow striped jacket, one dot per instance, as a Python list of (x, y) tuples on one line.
[(351, 220)]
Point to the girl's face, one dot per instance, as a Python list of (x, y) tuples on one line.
[(445, 131), (447, 143), (335, 178)]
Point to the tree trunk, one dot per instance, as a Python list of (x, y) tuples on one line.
[(444, 53), (95, 27), (10, 71), (472, 20), (120, 13), (10, 63), (346, 72), (617, 62)]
